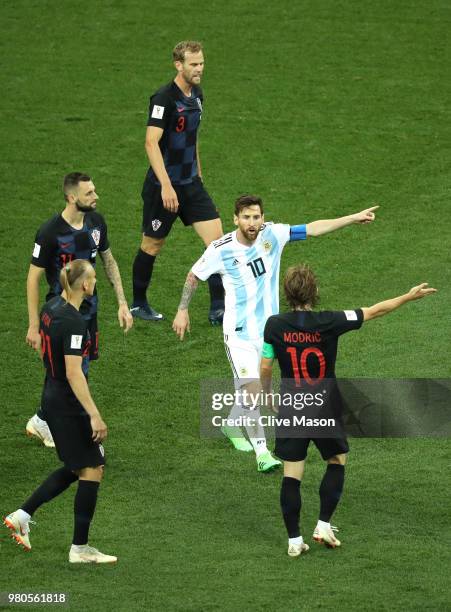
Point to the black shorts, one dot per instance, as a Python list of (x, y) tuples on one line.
[(295, 449), (71, 431), (94, 334), (194, 205)]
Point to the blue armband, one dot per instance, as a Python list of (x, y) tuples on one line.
[(298, 232)]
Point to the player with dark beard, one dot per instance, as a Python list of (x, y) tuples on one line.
[(78, 232)]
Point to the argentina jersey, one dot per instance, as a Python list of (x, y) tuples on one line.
[(250, 275)]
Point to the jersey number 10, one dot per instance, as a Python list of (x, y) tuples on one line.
[(300, 368), (257, 266)]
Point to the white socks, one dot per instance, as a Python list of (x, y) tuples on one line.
[(255, 432), (78, 548), (296, 541), (236, 413)]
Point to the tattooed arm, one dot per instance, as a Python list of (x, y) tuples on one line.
[(114, 276), (181, 322)]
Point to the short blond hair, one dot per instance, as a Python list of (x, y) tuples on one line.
[(193, 46), (74, 273)]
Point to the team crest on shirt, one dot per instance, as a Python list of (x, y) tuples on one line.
[(267, 246), (96, 236), (243, 371), (156, 223)]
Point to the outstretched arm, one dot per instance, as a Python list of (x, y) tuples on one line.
[(383, 308), (318, 228), (181, 323), (114, 276)]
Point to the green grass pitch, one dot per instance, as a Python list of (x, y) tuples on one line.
[(323, 108)]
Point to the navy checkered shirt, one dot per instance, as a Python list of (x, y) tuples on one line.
[(179, 117), (58, 243)]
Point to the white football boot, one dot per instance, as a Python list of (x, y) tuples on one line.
[(294, 550), (20, 530), (88, 554), (39, 428), (324, 534)]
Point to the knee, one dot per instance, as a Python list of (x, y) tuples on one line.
[(91, 473), (251, 391), (337, 460), (152, 246)]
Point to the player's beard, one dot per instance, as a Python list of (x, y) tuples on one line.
[(251, 237), (190, 79), (84, 208)]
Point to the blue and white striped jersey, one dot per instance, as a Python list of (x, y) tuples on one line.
[(250, 275)]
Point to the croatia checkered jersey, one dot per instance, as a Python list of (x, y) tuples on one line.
[(250, 275), (179, 117), (58, 243)]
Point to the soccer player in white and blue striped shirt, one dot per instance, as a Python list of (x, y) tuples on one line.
[(248, 261)]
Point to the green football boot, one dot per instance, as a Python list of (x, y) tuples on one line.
[(267, 463), (239, 442)]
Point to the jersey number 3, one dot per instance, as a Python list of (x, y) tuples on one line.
[(180, 124)]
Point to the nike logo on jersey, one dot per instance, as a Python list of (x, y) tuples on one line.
[(180, 109), (65, 245)]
